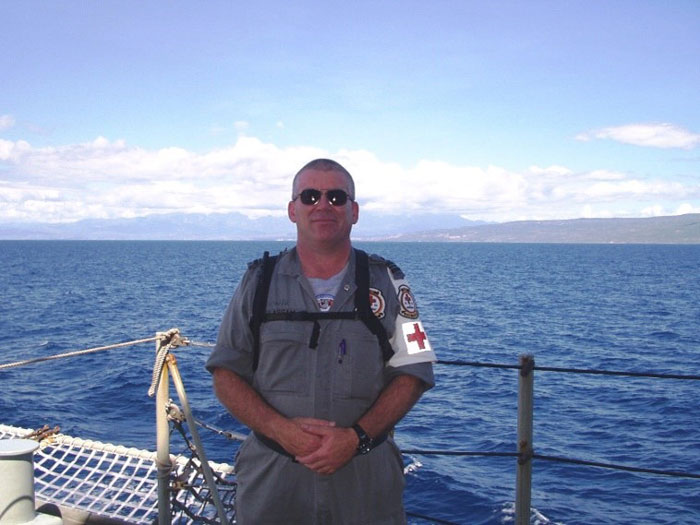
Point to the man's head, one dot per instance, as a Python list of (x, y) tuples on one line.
[(324, 165), (321, 214)]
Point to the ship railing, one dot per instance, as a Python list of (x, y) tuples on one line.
[(525, 453), (109, 484), (167, 413)]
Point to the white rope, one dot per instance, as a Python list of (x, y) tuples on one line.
[(76, 353), (168, 340), (173, 332), (201, 343)]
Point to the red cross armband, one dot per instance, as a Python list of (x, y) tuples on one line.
[(410, 341)]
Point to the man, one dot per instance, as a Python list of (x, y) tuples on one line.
[(321, 385)]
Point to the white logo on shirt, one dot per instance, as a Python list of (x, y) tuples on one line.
[(325, 301)]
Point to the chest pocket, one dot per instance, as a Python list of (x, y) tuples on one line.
[(361, 312), (358, 373), (285, 365)]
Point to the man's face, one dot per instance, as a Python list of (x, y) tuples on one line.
[(322, 222)]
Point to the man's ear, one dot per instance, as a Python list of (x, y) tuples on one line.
[(355, 212), (291, 212)]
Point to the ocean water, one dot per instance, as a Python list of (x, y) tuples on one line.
[(615, 307)]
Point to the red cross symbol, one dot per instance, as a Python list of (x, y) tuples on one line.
[(417, 336)]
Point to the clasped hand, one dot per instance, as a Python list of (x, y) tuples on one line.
[(321, 446)]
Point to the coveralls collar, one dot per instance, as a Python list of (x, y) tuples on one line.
[(291, 265)]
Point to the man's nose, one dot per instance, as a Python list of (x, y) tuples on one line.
[(324, 201)]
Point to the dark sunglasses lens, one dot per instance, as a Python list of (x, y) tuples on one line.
[(337, 197), (310, 197)]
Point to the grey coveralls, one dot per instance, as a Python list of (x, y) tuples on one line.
[(337, 381)]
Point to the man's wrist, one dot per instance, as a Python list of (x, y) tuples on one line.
[(364, 444)]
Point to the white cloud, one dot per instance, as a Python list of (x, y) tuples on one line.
[(6, 122), (685, 208), (647, 135), (551, 170), (111, 179), (605, 175)]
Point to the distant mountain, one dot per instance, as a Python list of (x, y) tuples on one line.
[(229, 226), (373, 226), (678, 229), (156, 227)]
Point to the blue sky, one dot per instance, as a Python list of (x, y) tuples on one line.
[(490, 110)]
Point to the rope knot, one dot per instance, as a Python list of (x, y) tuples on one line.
[(43, 433), (166, 341)]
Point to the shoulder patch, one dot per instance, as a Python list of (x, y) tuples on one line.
[(377, 303), (393, 267), (407, 304)]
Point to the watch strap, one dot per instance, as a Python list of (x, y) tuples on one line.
[(365, 442)]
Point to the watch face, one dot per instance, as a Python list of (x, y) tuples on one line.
[(365, 442)]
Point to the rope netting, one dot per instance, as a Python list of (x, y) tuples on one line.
[(117, 482)]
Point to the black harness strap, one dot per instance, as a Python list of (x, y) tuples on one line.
[(260, 302), (310, 316), (362, 305), (362, 311)]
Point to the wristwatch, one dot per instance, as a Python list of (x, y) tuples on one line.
[(366, 442)]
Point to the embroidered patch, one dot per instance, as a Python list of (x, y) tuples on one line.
[(407, 304), (325, 301), (415, 338), (377, 303)]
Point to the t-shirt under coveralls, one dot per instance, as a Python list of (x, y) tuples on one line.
[(337, 381)]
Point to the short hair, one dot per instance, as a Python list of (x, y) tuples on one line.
[(325, 165)]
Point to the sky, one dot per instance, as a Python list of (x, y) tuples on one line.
[(490, 110)]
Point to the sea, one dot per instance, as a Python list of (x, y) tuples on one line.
[(629, 308)]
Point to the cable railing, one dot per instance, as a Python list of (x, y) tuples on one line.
[(525, 454), (560, 459), (590, 371)]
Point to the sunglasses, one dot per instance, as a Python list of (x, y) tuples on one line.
[(311, 197)]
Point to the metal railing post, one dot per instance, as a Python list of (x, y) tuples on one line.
[(192, 424), (164, 465), (523, 482)]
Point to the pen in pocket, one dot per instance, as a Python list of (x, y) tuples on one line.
[(342, 348)]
